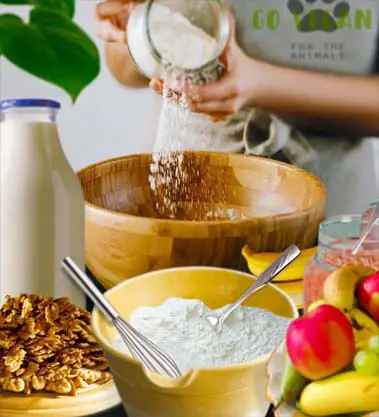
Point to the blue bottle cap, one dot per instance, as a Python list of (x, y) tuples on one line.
[(29, 102)]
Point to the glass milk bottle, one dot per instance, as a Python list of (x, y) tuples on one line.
[(41, 203)]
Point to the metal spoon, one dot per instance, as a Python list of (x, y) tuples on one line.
[(372, 221), (287, 257)]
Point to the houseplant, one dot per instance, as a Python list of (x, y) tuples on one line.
[(50, 45)]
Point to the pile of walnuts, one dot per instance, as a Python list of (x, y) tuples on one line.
[(46, 345)]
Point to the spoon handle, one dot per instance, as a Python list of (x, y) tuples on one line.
[(373, 220), (280, 263), (287, 257)]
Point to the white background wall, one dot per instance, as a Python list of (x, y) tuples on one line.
[(108, 120)]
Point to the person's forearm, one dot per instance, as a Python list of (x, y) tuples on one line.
[(122, 67), (352, 101)]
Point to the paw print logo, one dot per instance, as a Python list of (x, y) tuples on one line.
[(311, 18)]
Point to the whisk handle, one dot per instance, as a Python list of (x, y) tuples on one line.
[(89, 288)]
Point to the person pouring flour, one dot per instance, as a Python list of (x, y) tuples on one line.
[(293, 91)]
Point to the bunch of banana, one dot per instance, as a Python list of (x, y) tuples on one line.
[(348, 392), (329, 375), (344, 393), (258, 262)]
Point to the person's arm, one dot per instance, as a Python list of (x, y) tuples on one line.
[(122, 67), (350, 103), (342, 103), (111, 18)]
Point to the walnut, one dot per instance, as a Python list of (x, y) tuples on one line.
[(38, 384), (28, 330), (51, 313), (13, 384), (29, 371), (26, 308), (80, 382), (47, 345), (63, 386), (7, 339), (93, 376), (14, 358)]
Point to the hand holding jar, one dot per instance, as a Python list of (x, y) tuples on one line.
[(111, 19), (179, 43)]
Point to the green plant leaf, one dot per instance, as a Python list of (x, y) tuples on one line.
[(15, 2), (66, 7), (70, 4), (51, 47)]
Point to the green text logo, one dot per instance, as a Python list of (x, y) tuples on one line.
[(315, 19)]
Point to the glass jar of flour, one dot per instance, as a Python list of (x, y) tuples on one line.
[(178, 41)]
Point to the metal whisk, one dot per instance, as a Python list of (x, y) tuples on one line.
[(141, 348)]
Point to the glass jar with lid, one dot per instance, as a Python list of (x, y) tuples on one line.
[(337, 236), (183, 39)]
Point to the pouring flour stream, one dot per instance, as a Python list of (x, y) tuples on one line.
[(180, 45)]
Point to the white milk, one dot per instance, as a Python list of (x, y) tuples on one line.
[(41, 205)]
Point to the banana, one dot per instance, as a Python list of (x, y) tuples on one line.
[(258, 262), (292, 383), (339, 286), (363, 326), (345, 393)]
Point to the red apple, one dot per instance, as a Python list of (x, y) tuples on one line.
[(368, 295), (321, 343)]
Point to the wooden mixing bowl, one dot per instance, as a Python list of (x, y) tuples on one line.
[(266, 204)]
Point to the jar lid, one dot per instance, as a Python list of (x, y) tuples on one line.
[(29, 102)]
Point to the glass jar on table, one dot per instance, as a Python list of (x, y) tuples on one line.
[(337, 236)]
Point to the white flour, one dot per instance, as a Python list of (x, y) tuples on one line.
[(183, 45), (178, 41), (179, 327)]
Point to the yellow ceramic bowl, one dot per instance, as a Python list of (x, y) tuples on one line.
[(236, 390)]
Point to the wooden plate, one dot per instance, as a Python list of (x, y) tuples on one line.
[(293, 289), (87, 402)]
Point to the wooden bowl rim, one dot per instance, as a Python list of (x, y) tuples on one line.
[(126, 217)]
